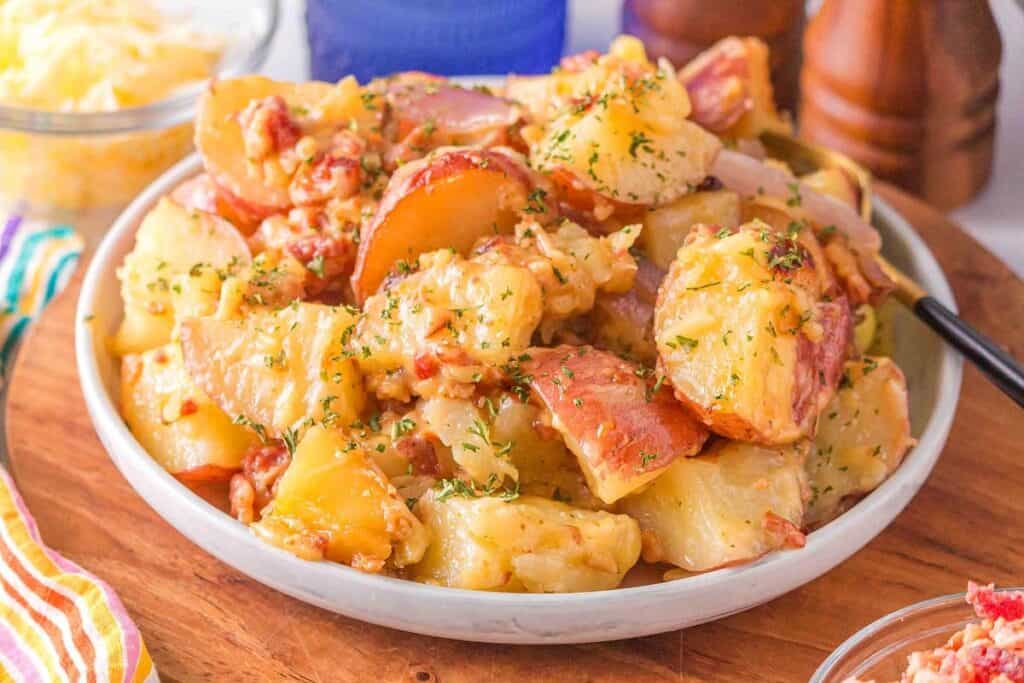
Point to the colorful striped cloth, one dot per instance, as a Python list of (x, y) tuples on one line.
[(36, 260), (57, 621)]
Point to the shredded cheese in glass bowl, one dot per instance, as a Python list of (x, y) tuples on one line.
[(97, 96)]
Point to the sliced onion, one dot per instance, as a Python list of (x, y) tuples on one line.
[(749, 177)]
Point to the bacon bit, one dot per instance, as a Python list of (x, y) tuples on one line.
[(988, 604), (267, 127), (331, 176), (262, 467), (347, 144), (419, 452), (283, 130), (990, 663), (426, 365), (160, 357), (784, 530), (336, 254), (188, 407), (578, 62), (243, 499)]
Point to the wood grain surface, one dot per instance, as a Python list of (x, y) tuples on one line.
[(203, 621)]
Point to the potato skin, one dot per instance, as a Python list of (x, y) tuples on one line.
[(448, 199), (745, 336), (623, 429)]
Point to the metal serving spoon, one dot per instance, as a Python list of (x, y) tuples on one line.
[(999, 366)]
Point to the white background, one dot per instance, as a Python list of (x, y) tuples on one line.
[(995, 217)]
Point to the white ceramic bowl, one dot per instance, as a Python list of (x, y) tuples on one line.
[(933, 372)]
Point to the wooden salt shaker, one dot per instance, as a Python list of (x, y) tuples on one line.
[(908, 88), (679, 29)]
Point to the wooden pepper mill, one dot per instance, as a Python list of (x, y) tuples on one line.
[(679, 29), (908, 88)]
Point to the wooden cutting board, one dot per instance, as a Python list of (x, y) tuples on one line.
[(204, 621)]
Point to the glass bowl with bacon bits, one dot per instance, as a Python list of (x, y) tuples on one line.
[(972, 637)]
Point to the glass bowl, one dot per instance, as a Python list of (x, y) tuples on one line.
[(879, 651), (59, 164)]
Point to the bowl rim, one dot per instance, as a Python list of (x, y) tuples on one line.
[(170, 111), (842, 537), (880, 624)]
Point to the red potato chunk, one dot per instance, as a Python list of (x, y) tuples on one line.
[(623, 427), (730, 505), (745, 336), (449, 199), (730, 89)]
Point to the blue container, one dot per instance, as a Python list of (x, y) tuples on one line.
[(369, 38)]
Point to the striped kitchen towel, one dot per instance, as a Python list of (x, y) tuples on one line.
[(36, 260), (57, 621)]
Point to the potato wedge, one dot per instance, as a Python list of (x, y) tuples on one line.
[(449, 199), (334, 503), (277, 371), (622, 428), (171, 241), (178, 424), (731, 504), (666, 227), (862, 437), (744, 337), (256, 163), (529, 544)]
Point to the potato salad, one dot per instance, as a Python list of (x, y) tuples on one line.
[(520, 338)]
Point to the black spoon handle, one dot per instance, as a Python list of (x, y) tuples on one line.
[(1000, 367)]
